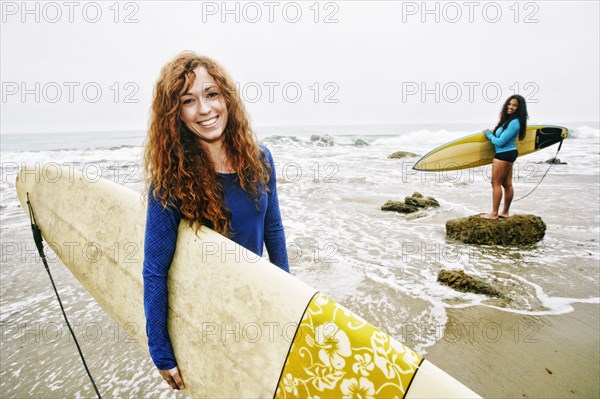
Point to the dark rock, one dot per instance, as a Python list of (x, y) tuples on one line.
[(411, 204), (555, 161), (417, 200), (514, 230), (402, 154), (398, 206), (461, 281)]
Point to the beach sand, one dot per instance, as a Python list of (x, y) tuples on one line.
[(508, 355)]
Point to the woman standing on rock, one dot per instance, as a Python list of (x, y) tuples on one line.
[(513, 123)]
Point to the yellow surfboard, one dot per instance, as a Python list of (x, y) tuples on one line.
[(476, 149), (240, 326)]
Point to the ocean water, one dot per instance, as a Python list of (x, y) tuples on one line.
[(332, 182)]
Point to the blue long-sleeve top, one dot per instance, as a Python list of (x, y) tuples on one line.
[(251, 227), (504, 139)]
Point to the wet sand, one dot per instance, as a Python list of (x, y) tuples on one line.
[(508, 355)]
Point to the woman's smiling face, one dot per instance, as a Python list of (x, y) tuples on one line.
[(203, 109), (512, 106)]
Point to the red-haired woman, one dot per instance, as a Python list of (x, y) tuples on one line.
[(202, 164)]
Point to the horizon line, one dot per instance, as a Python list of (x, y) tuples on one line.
[(286, 126)]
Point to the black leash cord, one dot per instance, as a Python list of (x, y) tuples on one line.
[(37, 236), (547, 170)]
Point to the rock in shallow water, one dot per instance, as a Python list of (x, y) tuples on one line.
[(461, 281), (402, 154), (554, 161), (411, 204), (514, 230)]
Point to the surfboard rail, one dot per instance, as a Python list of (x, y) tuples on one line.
[(476, 150)]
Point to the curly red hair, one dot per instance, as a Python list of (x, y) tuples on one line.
[(176, 163)]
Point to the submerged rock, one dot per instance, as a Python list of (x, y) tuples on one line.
[(461, 281), (514, 230), (555, 161), (402, 154), (411, 204), (398, 206)]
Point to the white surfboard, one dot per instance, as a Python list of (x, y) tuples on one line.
[(240, 326)]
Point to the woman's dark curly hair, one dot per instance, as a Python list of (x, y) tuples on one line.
[(520, 113)]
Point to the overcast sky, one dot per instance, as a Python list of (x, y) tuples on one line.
[(91, 66)]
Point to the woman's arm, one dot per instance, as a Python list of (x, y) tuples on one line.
[(507, 135), (274, 234), (159, 246)]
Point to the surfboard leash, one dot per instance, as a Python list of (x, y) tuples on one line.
[(37, 237), (547, 170)]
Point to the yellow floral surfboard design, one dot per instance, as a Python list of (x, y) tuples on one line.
[(336, 354)]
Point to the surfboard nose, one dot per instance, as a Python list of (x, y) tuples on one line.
[(547, 136)]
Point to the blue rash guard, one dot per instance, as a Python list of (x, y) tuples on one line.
[(251, 228), (504, 139)]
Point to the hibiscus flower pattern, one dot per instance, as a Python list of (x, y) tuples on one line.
[(337, 354), (363, 365), (334, 347)]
